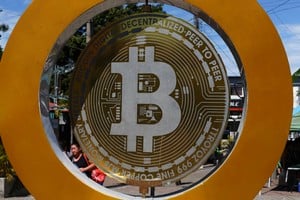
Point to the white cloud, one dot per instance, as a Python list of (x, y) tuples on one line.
[(290, 34)]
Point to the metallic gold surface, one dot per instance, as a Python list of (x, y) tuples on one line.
[(245, 171), (155, 102)]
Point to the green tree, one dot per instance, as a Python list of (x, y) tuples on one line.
[(1, 52), (77, 42), (108, 16), (74, 46), (6, 169), (3, 28)]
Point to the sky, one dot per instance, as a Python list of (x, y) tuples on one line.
[(285, 14)]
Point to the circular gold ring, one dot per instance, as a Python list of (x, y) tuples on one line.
[(264, 131)]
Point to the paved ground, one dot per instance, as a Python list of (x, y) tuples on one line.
[(275, 192), (267, 193)]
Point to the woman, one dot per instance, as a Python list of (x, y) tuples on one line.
[(81, 160)]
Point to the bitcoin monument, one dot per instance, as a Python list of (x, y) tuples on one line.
[(155, 100), (149, 99)]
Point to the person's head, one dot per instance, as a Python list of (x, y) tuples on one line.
[(75, 150)]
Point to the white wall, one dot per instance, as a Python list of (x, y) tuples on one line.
[(296, 98)]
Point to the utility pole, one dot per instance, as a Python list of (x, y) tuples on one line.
[(147, 7), (89, 30), (196, 21)]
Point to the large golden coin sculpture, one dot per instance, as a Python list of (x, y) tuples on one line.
[(47, 173), (180, 97)]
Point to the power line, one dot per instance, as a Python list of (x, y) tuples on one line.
[(278, 6), (288, 29), (285, 9)]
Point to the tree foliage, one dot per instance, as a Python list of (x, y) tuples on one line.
[(3, 28), (77, 42), (1, 52), (6, 169), (108, 16)]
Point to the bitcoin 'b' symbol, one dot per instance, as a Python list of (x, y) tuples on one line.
[(131, 98)]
